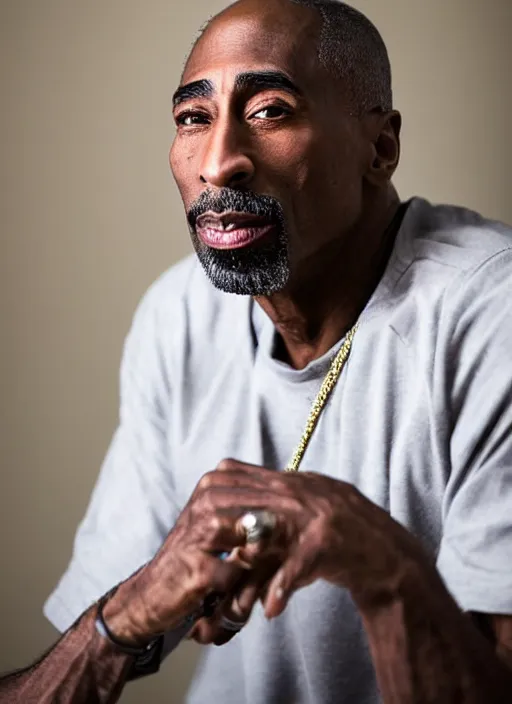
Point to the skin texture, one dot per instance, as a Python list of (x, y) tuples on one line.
[(330, 172)]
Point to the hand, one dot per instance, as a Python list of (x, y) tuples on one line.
[(325, 529), (185, 570), (237, 607)]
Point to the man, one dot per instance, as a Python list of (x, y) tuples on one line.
[(398, 522)]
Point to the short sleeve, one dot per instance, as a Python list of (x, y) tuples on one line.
[(475, 557), (132, 507)]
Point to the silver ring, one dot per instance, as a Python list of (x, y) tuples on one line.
[(229, 625), (257, 525)]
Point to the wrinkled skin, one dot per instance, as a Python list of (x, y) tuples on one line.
[(329, 168), (326, 529), (330, 171)]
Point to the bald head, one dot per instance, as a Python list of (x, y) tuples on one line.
[(345, 43), (283, 115)]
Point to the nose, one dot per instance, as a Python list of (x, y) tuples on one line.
[(226, 161)]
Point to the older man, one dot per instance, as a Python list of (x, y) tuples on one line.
[(368, 354)]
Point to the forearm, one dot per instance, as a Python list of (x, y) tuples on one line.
[(81, 668), (426, 651)]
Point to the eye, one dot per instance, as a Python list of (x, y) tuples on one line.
[(191, 119), (271, 112)]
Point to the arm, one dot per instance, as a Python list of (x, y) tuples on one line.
[(81, 668), (84, 667), (426, 651), (425, 648), (132, 510), (448, 658)]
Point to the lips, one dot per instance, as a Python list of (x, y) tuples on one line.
[(230, 230)]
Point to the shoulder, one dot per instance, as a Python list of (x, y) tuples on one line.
[(452, 239), (182, 309), (449, 265), (466, 276), (445, 254)]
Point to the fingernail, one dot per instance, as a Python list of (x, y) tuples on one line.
[(279, 593)]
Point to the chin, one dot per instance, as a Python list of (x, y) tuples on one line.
[(248, 271), (256, 282)]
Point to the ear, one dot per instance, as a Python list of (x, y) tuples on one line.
[(384, 134)]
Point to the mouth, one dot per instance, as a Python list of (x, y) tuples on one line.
[(231, 230)]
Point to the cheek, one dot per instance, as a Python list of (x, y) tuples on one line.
[(335, 175), (311, 166), (182, 164), (288, 158), (326, 193)]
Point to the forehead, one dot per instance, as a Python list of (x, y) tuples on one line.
[(266, 35)]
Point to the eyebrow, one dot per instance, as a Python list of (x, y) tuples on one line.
[(266, 80), (255, 80), (196, 89)]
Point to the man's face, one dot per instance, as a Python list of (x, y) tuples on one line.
[(268, 160)]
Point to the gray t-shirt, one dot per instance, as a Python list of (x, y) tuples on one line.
[(420, 421)]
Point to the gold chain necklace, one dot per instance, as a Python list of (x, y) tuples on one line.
[(335, 369), (318, 406)]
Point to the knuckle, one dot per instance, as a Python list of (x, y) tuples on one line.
[(216, 524), (206, 482), (199, 588), (202, 577), (347, 492), (241, 608), (202, 633), (227, 464), (323, 533)]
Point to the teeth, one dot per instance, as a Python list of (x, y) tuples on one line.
[(230, 227)]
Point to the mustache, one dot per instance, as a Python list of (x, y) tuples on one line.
[(228, 199)]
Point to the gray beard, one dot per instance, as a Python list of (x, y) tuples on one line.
[(257, 270)]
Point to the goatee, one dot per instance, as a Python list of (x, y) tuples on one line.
[(256, 270)]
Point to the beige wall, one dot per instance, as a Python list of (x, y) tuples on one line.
[(89, 216)]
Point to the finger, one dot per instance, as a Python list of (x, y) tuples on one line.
[(213, 575), (213, 500), (221, 626), (207, 631), (225, 530), (223, 636), (236, 609), (296, 572), (230, 542), (211, 525), (235, 613), (222, 534), (236, 555), (248, 475), (257, 478), (239, 605), (240, 475), (228, 464)]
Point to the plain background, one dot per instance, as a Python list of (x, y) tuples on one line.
[(90, 216)]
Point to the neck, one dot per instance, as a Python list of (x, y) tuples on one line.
[(324, 298)]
